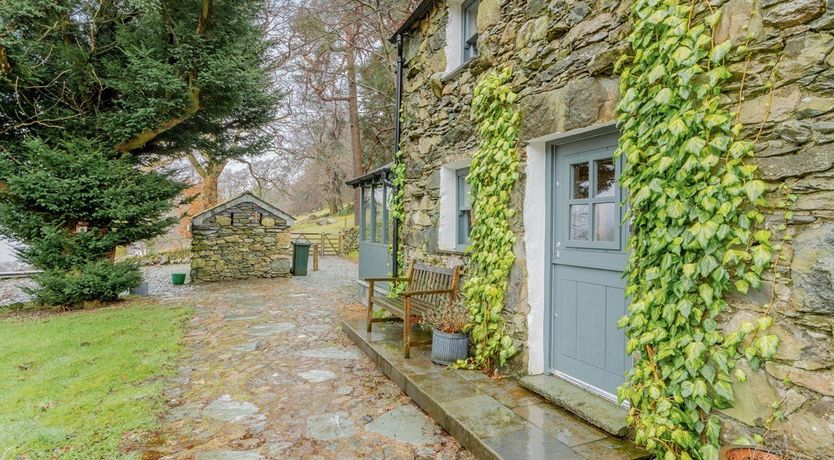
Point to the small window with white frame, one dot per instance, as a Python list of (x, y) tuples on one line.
[(469, 21), (464, 209)]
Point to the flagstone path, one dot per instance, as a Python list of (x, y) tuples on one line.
[(270, 375)]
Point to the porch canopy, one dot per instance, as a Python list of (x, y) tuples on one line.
[(376, 228)]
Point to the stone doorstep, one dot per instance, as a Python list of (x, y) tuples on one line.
[(587, 406), (492, 419)]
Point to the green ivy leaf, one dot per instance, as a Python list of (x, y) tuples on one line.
[(695, 145), (720, 51), (724, 390), (766, 345), (754, 189), (706, 292)]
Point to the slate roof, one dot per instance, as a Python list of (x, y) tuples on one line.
[(246, 197)]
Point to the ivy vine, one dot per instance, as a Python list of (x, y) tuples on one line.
[(696, 232), (397, 212), (492, 174)]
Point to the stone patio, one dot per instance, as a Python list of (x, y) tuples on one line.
[(270, 375), (494, 419)]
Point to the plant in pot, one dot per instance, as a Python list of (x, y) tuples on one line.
[(742, 452), (448, 341), (747, 448)]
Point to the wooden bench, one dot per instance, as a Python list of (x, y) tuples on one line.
[(428, 288)]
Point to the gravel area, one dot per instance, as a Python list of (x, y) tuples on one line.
[(334, 273), (11, 291), (158, 278)]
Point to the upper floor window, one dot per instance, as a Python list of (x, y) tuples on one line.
[(470, 29)]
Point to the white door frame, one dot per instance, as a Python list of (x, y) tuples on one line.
[(537, 215)]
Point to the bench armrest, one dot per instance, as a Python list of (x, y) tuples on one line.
[(428, 292), (390, 278)]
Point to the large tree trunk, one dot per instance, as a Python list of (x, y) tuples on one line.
[(353, 109), (209, 176), (209, 194)]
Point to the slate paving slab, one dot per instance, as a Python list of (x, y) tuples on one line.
[(327, 427), (406, 424), (244, 316), (495, 418), (317, 375), (228, 455), (531, 442), (269, 374), (225, 408), (251, 345), (264, 330), (331, 353)]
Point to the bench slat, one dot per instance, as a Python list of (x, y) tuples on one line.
[(421, 278)]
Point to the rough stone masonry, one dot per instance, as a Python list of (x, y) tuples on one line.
[(239, 242), (562, 54)]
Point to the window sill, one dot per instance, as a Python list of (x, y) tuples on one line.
[(453, 252), (459, 70)]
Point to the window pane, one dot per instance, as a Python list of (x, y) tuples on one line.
[(379, 217), (470, 29), (606, 178), (580, 180), (464, 227), (366, 214), (579, 222), (464, 206), (605, 220), (389, 199)]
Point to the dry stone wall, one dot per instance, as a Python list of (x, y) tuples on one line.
[(562, 54), (244, 241)]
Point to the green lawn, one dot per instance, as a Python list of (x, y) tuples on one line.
[(73, 385), (308, 222)]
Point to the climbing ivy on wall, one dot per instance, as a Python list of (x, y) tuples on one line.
[(397, 212), (492, 174), (696, 233)]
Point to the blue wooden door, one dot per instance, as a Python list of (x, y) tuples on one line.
[(588, 258)]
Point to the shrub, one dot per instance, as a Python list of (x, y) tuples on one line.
[(100, 280)]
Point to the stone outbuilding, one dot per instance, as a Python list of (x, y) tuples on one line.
[(245, 237)]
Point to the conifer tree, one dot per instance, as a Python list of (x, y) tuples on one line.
[(92, 92)]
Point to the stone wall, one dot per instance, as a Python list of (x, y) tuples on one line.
[(241, 242), (562, 53)]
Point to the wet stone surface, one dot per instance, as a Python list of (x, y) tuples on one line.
[(270, 375)]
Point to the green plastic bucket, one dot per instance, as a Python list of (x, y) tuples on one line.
[(178, 279)]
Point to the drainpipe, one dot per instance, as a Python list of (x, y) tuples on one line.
[(395, 246)]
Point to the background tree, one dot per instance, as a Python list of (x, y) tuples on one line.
[(338, 68), (91, 94)]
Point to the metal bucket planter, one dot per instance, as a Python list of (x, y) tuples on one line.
[(446, 347), (178, 279)]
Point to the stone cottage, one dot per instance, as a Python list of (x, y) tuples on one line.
[(562, 54), (242, 238)]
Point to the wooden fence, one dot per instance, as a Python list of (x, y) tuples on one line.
[(329, 244)]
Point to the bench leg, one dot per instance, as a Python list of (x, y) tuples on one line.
[(407, 329), (370, 305)]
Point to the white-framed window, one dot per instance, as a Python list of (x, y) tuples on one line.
[(464, 208), (461, 33), (469, 18), (455, 222)]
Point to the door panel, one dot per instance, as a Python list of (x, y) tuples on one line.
[(588, 260)]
